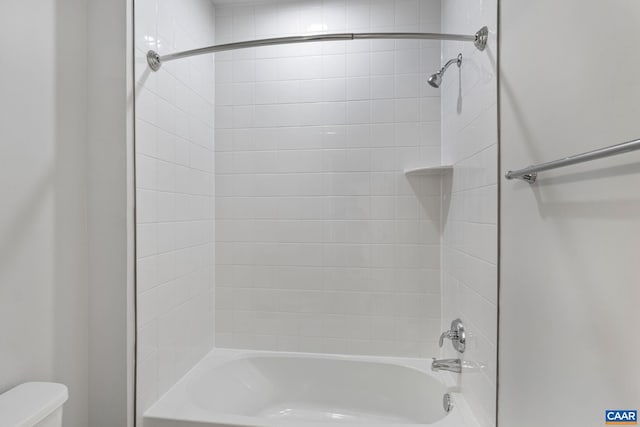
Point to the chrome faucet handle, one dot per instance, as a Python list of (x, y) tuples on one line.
[(451, 335), (456, 334)]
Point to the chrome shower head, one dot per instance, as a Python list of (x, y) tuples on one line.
[(436, 79)]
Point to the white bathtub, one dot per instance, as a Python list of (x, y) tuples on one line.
[(264, 389)]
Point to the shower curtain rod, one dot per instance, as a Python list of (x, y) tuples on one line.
[(479, 39)]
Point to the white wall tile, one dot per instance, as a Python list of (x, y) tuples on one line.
[(312, 202), (175, 197), (469, 142)]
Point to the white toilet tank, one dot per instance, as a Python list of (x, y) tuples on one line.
[(33, 405)]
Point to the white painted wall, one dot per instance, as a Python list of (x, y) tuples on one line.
[(470, 199), (64, 242), (43, 220), (175, 195), (110, 214), (323, 244), (570, 280)]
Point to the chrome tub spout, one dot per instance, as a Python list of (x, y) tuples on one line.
[(451, 365)]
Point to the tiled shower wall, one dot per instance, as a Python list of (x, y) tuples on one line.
[(174, 195), (322, 243), (469, 141)]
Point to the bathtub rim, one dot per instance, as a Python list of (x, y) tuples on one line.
[(162, 411)]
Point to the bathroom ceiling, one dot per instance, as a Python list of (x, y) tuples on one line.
[(238, 2)]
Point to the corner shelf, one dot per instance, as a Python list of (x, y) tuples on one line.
[(429, 170)]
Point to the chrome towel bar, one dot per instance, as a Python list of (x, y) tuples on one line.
[(530, 174)]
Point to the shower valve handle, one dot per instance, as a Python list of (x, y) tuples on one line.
[(451, 335), (456, 334)]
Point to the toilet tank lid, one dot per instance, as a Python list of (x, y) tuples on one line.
[(29, 403)]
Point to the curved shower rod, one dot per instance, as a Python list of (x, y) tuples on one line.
[(479, 39)]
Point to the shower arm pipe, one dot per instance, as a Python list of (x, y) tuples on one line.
[(155, 60), (456, 60)]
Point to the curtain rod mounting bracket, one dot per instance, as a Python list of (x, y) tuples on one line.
[(482, 36)]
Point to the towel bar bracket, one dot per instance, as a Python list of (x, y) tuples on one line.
[(531, 178)]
